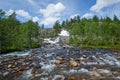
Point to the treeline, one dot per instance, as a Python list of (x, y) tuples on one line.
[(15, 35), (95, 32)]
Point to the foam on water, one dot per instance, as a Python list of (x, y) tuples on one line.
[(117, 63), (117, 77), (64, 33), (103, 71), (44, 79), (83, 70), (71, 71), (48, 67), (58, 77), (27, 75), (91, 63), (47, 40), (23, 53)]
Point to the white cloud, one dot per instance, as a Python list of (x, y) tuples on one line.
[(49, 20), (35, 19), (100, 4), (72, 16), (52, 13), (88, 15), (52, 9), (8, 13), (23, 13), (33, 3)]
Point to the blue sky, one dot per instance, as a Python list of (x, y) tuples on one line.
[(48, 11)]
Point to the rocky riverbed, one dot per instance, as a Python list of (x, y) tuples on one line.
[(55, 62)]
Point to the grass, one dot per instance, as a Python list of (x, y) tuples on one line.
[(112, 47)]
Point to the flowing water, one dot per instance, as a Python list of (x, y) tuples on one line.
[(55, 62)]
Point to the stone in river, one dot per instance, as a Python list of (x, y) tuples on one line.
[(84, 56), (38, 66), (73, 63), (17, 69), (59, 77), (36, 58), (15, 63), (57, 62), (45, 62), (10, 65), (59, 58), (37, 74), (95, 73), (5, 73)]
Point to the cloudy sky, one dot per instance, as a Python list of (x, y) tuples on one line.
[(48, 11)]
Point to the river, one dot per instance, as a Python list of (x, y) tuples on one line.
[(55, 62)]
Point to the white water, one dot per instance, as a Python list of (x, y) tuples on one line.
[(58, 77), (71, 71), (27, 75), (48, 67), (103, 71), (47, 40), (83, 70), (64, 33), (23, 53)]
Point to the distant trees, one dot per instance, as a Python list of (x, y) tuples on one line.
[(15, 35), (57, 26), (94, 32)]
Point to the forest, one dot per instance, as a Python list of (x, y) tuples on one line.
[(15, 35), (92, 33)]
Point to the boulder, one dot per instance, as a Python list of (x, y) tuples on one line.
[(95, 73), (9, 66), (57, 62), (73, 63)]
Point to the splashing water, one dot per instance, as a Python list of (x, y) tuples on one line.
[(64, 33), (27, 75), (47, 40), (49, 67)]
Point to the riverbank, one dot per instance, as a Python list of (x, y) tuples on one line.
[(109, 47)]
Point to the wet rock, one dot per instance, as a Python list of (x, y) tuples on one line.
[(16, 69), (45, 62), (36, 58), (37, 65), (95, 73), (15, 63), (37, 74), (59, 58), (57, 62), (9, 66), (5, 73), (24, 64), (84, 56), (0, 62), (22, 68), (71, 78), (83, 61), (73, 63)]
